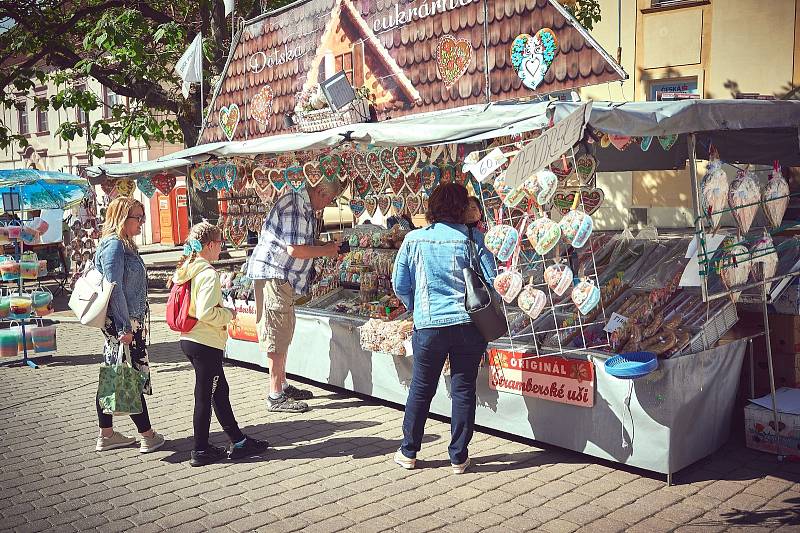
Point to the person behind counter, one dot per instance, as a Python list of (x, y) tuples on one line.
[(282, 264), (203, 346), (428, 279), (473, 217), (118, 259)]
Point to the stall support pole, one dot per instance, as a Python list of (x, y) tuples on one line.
[(768, 344), (698, 225)]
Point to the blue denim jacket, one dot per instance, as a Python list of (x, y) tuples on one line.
[(428, 273), (126, 268)]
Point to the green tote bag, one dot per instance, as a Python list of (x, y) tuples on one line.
[(120, 387)]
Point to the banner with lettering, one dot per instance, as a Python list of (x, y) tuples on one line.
[(243, 327), (557, 379), (405, 56)]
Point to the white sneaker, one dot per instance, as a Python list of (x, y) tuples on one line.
[(152, 443), (404, 461), (116, 440), (460, 469)]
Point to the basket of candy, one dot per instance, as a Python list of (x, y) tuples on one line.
[(386, 337)]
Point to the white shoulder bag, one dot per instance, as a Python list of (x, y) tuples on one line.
[(90, 297)]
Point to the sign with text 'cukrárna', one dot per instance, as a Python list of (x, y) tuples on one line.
[(557, 379), (410, 56), (549, 146)]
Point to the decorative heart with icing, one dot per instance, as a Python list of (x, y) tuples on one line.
[(448, 174), (228, 120), (563, 168), (378, 183), (453, 57), (295, 178), (592, 200), (125, 187), (531, 56), (397, 183), (261, 105), (330, 165), (667, 141), (384, 203), (312, 173), (398, 202), (265, 190), (425, 153), (228, 175), (371, 204), (164, 182), (431, 177), (387, 161), (414, 181), (197, 176), (145, 184), (586, 165), (605, 140), (414, 204), (361, 186), (237, 233), (373, 160), (277, 178), (360, 165), (645, 143), (406, 158), (620, 142), (357, 206)]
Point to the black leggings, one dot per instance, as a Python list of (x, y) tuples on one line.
[(142, 420), (210, 387)]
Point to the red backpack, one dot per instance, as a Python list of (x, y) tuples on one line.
[(180, 298)]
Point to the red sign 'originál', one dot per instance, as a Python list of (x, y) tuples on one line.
[(550, 378)]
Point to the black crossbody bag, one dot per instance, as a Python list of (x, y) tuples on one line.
[(481, 301)]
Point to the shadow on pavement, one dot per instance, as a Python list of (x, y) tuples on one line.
[(164, 352)]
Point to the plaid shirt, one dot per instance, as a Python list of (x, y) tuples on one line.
[(291, 221)]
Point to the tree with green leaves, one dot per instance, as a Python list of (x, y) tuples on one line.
[(130, 47)]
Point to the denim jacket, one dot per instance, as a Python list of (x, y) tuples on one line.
[(126, 268), (428, 273)]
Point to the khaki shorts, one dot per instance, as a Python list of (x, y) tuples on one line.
[(275, 318)]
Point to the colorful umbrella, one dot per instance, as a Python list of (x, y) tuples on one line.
[(41, 189)]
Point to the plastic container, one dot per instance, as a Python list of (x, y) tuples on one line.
[(14, 229), (5, 306), (631, 365), (9, 343), (21, 306), (41, 297), (28, 338), (44, 338), (29, 269), (9, 270), (4, 236), (28, 235)]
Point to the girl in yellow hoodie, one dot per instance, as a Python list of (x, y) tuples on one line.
[(203, 346)]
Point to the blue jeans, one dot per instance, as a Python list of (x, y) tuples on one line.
[(465, 345)]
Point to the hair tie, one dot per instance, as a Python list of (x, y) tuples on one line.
[(195, 245), (187, 249)]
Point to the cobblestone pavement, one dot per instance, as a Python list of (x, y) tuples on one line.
[(331, 469)]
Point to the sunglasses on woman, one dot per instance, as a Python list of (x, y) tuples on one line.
[(140, 219)]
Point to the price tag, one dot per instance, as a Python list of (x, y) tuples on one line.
[(616, 322), (484, 168)]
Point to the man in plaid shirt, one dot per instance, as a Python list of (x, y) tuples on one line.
[(282, 264)]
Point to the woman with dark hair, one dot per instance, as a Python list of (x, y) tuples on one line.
[(473, 216), (428, 278)]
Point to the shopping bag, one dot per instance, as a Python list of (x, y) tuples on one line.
[(119, 390)]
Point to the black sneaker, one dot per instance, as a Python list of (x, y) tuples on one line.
[(212, 454), (284, 404), (251, 447), (297, 394)]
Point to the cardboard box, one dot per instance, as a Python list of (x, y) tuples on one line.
[(760, 433)]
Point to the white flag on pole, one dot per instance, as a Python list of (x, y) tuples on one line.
[(190, 66), (230, 6)]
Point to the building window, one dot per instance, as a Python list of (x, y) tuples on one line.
[(81, 117), (41, 120), (345, 62), (110, 99), (673, 89), (22, 118)]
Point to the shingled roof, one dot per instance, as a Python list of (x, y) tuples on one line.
[(404, 72)]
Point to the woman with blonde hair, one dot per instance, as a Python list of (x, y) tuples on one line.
[(204, 344), (118, 259)]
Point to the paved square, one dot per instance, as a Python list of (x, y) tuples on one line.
[(331, 469)]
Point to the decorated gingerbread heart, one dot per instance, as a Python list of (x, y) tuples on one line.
[(261, 105), (145, 184), (357, 206), (330, 165), (373, 160), (164, 182), (453, 57), (277, 178), (667, 141), (620, 142), (398, 203), (448, 174), (532, 55), (388, 163), (237, 232), (125, 187), (361, 186), (414, 204), (378, 183), (371, 204), (360, 165), (295, 178), (397, 183), (645, 143), (312, 173), (108, 186), (591, 200), (228, 120), (414, 181), (406, 158), (384, 202), (431, 177), (563, 168), (586, 165)]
